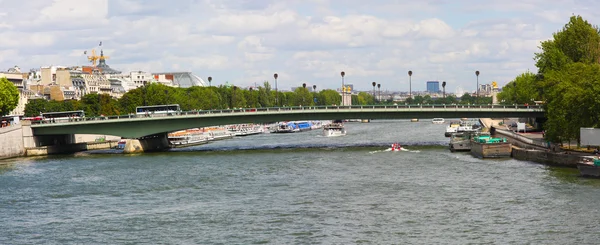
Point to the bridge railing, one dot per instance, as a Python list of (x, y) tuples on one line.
[(295, 108)]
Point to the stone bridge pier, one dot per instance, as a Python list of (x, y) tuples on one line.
[(157, 142)]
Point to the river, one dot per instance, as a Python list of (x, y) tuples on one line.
[(297, 189)]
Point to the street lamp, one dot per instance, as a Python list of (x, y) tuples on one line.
[(374, 83), (276, 93), (343, 74), (379, 88), (209, 80), (477, 74), (410, 84), (315, 88), (444, 89), (303, 90)]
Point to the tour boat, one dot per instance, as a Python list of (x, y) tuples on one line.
[(336, 128)]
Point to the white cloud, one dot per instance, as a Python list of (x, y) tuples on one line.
[(245, 42)]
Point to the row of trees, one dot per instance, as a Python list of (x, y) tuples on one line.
[(568, 81), (222, 97)]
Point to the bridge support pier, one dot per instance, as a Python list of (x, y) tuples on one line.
[(157, 142)]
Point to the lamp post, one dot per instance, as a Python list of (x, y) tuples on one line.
[(303, 90), (379, 88), (444, 89), (477, 74), (315, 88), (373, 83), (276, 93), (410, 84), (343, 74), (209, 81)]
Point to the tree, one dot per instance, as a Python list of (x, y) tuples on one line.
[(329, 97), (575, 100), (9, 96), (35, 107), (521, 90)]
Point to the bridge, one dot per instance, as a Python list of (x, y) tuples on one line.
[(153, 126)]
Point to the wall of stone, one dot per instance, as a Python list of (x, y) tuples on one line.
[(11, 141), (563, 159)]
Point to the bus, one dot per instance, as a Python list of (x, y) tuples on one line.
[(63, 116), (157, 110)]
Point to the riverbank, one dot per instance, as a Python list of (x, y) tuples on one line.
[(532, 146)]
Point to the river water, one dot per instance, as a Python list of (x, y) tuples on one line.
[(298, 189)]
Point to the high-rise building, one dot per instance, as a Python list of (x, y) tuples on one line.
[(433, 86)]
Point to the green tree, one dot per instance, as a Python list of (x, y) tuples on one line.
[(303, 97), (575, 102), (364, 98), (329, 97), (524, 89), (578, 41), (35, 107), (9, 96)]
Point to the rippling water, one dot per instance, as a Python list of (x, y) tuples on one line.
[(298, 189)]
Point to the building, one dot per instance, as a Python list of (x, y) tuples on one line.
[(433, 87), (19, 79), (179, 79)]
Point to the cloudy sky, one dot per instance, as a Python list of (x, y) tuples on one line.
[(312, 41)]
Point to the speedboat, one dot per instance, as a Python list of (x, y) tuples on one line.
[(396, 147)]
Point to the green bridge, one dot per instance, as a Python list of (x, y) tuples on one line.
[(139, 126)]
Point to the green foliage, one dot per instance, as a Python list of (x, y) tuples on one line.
[(574, 98), (524, 89), (578, 41), (9, 96), (329, 97)]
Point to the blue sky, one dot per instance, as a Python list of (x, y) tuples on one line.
[(311, 41)]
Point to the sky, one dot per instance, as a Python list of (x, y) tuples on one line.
[(244, 42)]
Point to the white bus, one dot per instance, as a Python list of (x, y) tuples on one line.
[(157, 110), (63, 116)]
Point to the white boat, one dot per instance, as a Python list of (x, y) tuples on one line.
[(188, 140), (438, 121), (336, 128), (452, 128)]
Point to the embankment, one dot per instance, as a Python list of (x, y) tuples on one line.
[(536, 150), (11, 141)]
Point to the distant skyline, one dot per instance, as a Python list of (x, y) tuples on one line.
[(310, 41)]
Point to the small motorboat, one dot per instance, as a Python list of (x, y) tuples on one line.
[(396, 147)]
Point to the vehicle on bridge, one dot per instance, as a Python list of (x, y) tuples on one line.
[(165, 110), (63, 116)]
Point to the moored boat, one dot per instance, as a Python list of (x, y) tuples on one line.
[(484, 146), (589, 166), (460, 141), (451, 128), (121, 144), (336, 128), (438, 121)]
